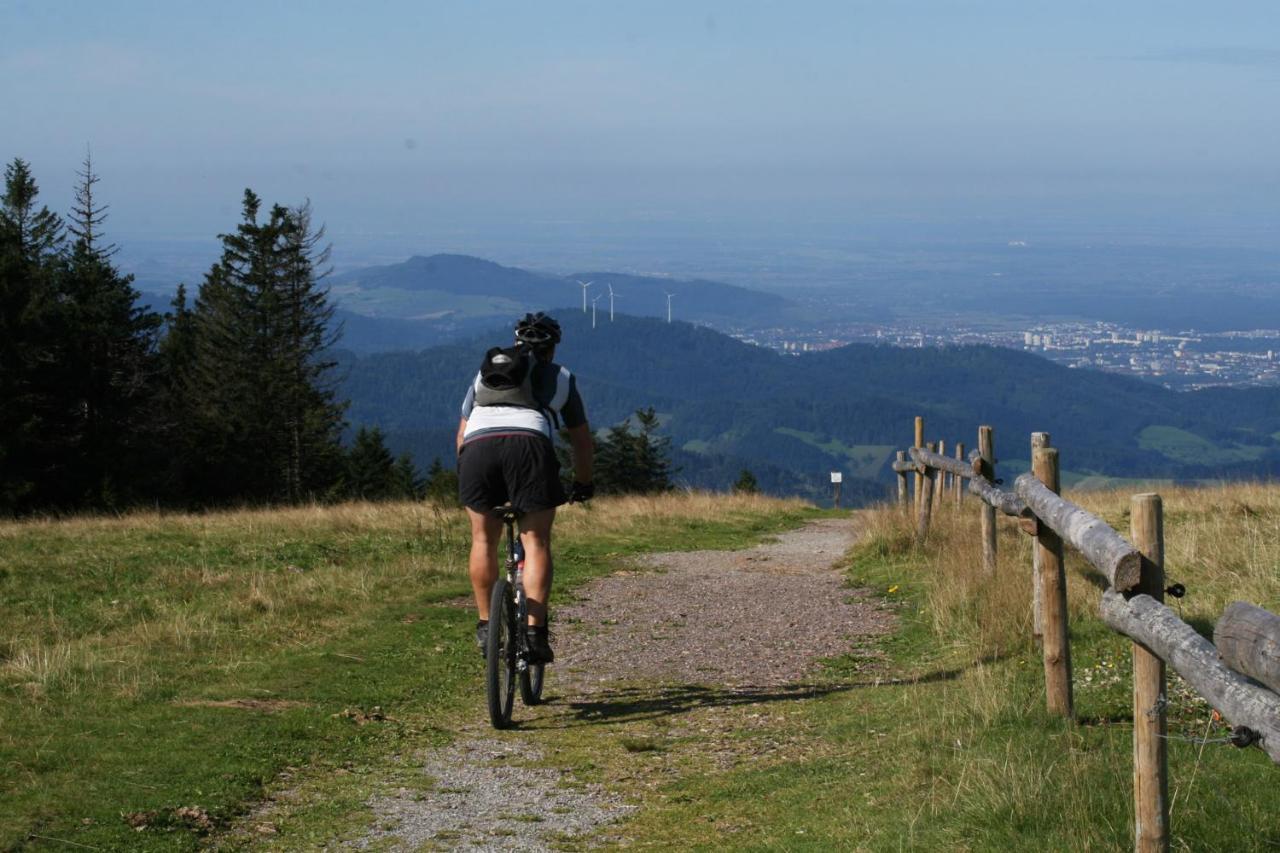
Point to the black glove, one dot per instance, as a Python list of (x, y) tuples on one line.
[(581, 492)]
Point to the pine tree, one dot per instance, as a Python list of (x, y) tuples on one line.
[(370, 470), (260, 393), (313, 417), (175, 411), (654, 454), (442, 483), (746, 483), (628, 462), (31, 243), (407, 483), (107, 364)]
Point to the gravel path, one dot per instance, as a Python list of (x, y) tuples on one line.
[(745, 627), (490, 795), (757, 618)]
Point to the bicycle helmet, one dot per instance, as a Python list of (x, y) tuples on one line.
[(538, 330)]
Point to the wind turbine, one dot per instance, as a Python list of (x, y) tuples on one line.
[(611, 298), (585, 285), (593, 310), (669, 295)]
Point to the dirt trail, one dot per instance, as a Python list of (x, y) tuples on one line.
[(684, 649)]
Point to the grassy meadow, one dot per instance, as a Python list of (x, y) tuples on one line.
[(160, 675), (947, 746), (158, 672)]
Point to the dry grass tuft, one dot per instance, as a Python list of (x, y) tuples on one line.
[(1222, 542)]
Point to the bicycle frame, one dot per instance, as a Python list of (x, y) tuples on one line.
[(515, 577)]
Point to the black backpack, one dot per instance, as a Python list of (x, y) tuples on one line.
[(506, 379)]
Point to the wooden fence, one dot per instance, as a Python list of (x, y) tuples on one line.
[(1240, 677)]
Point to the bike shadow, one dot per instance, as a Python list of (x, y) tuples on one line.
[(647, 702)]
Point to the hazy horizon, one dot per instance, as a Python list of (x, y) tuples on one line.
[(454, 125)]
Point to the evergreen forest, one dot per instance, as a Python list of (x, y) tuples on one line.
[(240, 392)]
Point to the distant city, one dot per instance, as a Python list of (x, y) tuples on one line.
[(1182, 360)]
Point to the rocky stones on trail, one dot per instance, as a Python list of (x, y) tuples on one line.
[(490, 795)]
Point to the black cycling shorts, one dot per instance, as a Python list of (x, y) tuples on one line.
[(522, 469)]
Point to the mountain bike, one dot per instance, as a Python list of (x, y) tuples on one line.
[(506, 653)]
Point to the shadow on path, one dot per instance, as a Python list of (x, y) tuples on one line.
[(646, 702)]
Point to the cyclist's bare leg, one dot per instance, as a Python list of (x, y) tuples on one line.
[(486, 533), (535, 535)]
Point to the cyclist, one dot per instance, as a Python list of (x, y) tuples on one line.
[(505, 454)]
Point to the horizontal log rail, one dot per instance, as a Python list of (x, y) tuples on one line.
[(1248, 639), (903, 467), (941, 463), (1240, 676), (1194, 658), (1106, 550), (1007, 502)]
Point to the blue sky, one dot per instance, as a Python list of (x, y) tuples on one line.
[(397, 116)]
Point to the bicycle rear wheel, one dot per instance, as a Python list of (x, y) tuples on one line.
[(531, 684), (500, 655)]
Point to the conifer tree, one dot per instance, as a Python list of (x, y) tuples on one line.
[(107, 362), (370, 472), (31, 242), (442, 483), (259, 389), (628, 462), (746, 483), (407, 484)]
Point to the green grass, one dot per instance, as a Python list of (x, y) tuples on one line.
[(959, 753), (159, 662), (1182, 446), (865, 459)]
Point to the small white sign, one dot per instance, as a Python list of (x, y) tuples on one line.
[(836, 476)]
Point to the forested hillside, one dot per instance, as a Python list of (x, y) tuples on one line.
[(791, 420), (426, 301)]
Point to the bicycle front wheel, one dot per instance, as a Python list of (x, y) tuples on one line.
[(500, 654)]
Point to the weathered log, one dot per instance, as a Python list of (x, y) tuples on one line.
[(904, 466), (902, 476), (919, 442), (939, 477), (987, 514), (1055, 643), (1038, 439), (957, 477), (1248, 639), (1105, 549), (1241, 701), (928, 458), (1007, 502), (1150, 725), (924, 508)]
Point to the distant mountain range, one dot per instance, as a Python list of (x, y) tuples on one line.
[(429, 300), (792, 420)]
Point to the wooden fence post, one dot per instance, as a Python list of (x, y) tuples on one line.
[(986, 447), (919, 443), (1057, 648), (926, 502), (957, 483), (1150, 758), (940, 480), (1038, 439), (902, 480)]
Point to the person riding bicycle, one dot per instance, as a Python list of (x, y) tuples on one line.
[(506, 455)]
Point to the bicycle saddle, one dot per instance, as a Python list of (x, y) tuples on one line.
[(507, 512)]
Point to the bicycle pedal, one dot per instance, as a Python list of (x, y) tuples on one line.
[(521, 664)]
